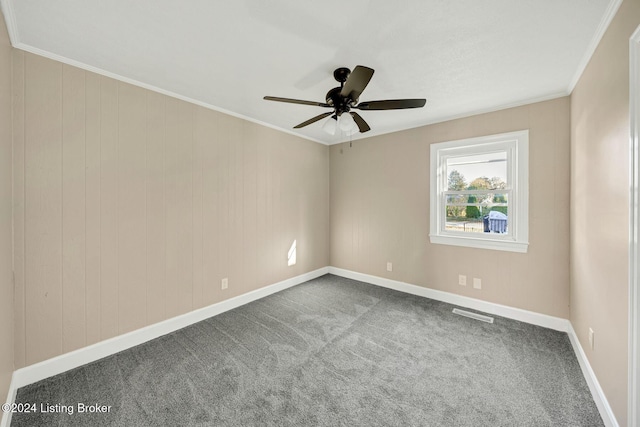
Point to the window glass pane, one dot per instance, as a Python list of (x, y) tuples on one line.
[(461, 223), (456, 207), (477, 172), (477, 213)]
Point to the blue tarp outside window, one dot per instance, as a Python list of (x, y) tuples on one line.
[(495, 222)]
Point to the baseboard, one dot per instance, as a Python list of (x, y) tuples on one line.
[(531, 317), (599, 398), (74, 359), (526, 316), (5, 421), (57, 365)]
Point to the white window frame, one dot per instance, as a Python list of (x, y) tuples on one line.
[(516, 144)]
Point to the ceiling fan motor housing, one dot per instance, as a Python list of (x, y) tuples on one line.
[(339, 102)]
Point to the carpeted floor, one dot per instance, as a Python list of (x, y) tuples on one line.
[(330, 352)]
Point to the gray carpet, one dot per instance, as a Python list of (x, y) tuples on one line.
[(331, 352)]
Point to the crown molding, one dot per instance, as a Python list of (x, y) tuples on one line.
[(472, 113), (609, 14), (10, 20), (100, 71), (12, 28)]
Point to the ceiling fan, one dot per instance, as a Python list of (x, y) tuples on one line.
[(345, 98)]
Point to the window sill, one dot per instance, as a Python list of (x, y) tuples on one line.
[(493, 244)]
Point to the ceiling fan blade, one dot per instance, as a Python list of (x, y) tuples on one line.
[(313, 120), (296, 101), (391, 104), (362, 125), (356, 82)]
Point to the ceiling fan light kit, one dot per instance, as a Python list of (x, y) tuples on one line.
[(345, 98), (346, 122), (330, 126)]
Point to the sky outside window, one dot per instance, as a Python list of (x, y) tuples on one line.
[(489, 165)]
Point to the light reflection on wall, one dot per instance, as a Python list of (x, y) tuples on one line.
[(291, 256)]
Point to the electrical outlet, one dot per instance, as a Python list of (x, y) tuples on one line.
[(462, 280), (591, 338), (477, 283), (225, 283), (389, 266)]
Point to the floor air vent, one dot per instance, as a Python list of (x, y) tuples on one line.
[(473, 315)]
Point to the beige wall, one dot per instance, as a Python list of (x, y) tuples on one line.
[(599, 207), (131, 206), (6, 283), (380, 211)]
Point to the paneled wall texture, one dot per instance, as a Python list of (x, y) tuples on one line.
[(131, 206), (600, 208), (6, 257), (380, 211)]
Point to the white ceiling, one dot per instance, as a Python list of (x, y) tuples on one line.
[(463, 56)]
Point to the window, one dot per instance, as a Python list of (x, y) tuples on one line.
[(479, 192)]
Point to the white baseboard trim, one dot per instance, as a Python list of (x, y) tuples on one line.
[(602, 403), (5, 421), (543, 320), (57, 365), (65, 362), (526, 316)]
